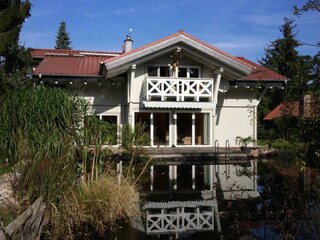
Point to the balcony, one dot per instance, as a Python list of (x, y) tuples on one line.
[(179, 89)]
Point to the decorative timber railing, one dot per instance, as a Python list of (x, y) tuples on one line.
[(179, 89), (175, 217)]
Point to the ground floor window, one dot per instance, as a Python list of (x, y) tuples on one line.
[(184, 128), (161, 128), (190, 128), (193, 128), (202, 129)]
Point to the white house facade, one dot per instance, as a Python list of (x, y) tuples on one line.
[(186, 92)]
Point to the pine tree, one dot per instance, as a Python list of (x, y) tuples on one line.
[(311, 5), (62, 38), (14, 59), (282, 57)]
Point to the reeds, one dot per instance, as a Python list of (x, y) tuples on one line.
[(43, 134)]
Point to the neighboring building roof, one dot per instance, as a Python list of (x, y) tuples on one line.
[(260, 73), (284, 109)]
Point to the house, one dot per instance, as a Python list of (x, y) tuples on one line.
[(305, 107), (187, 92)]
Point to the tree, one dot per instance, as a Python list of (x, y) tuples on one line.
[(282, 57), (313, 5), (62, 38), (14, 59)]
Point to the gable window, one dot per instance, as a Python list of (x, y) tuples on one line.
[(194, 72), (158, 71), (188, 72), (182, 72)]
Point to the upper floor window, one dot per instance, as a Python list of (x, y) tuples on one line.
[(158, 71), (188, 72), (166, 71)]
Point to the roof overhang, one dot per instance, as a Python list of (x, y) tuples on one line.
[(259, 83), (191, 46)]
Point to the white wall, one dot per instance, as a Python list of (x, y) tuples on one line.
[(235, 116)]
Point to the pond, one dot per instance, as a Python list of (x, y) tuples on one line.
[(250, 200)]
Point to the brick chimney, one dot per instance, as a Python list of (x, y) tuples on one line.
[(307, 107), (127, 45)]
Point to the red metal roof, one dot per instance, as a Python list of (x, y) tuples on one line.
[(87, 63), (69, 62), (260, 73), (284, 109), (60, 65)]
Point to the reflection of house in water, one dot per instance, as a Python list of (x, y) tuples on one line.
[(182, 198), (238, 181)]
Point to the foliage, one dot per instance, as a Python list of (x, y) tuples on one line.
[(62, 38), (244, 141), (14, 59), (43, 136), (313, 5), (132, 142), (98, 204), (134, 138), (96, 136), (37, 123), (282, 57)]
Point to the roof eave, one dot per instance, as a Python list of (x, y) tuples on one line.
[(40, 75)]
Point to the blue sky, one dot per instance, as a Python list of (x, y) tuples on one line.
[(239, 27)]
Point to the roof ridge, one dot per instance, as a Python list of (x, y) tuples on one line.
[(74, 50)]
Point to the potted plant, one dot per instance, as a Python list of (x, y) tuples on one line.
[(244, 141)]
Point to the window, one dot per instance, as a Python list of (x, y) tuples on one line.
[(109, 119), (194, 72), (182, 72), (152, 71), (158, 71), (193, 128), (188, 72)]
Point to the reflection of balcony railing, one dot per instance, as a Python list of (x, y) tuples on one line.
[(175, 217), (179, 89)]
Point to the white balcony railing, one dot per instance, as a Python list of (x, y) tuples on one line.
[(178, 89)]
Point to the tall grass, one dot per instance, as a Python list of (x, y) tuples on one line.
[(35, 122), (43, 133), (98, 204)]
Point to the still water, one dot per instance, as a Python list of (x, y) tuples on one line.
[(249, 200)]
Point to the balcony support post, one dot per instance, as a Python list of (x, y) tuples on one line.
[(218, 73), (131, 78)]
